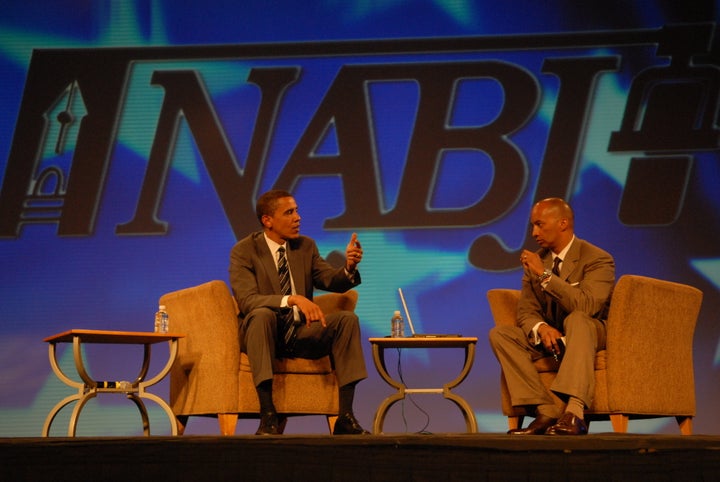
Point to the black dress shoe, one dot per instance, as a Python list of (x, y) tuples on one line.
[(568, 424), (347, 424), (537, 427), (269, 424)]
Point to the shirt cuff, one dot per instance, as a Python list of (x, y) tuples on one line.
[(535, 338)]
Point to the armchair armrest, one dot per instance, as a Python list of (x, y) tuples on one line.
[(334, 302), (204, 379)]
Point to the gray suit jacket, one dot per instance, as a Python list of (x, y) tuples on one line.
[(254, 278), (586, 281)]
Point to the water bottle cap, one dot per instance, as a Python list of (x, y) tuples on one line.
[(397, 313), (161, 307)]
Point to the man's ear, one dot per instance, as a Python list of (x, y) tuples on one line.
[(266, 221)]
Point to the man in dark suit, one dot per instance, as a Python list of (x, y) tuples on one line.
[(566, 289), (290, 324)]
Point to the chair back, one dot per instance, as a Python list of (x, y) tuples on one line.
[(503, 305), (647, 317)]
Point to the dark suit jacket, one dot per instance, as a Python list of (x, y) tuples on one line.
[(254, 278), (586, 281)]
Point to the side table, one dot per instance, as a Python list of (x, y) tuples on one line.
[(90, 388), (378, 348)]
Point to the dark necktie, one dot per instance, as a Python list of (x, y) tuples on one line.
[(287, 319), (556, 266), (556, 311)]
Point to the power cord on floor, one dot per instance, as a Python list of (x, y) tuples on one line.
[(423, 430)]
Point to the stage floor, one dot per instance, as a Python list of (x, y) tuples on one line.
[(436, 457)]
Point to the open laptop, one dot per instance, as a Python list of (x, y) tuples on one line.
[(412, 328)]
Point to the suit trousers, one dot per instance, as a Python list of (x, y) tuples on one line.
[(584, 336), (341, 339)]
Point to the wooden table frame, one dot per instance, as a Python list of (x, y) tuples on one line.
[(378, 348), (89, 388)]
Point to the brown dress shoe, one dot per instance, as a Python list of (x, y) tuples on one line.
[(537, 427), (568, 424)]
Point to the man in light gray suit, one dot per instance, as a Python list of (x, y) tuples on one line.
[(565, 297), (289, 324)]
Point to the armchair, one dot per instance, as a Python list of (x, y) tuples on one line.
[(212, 378), (636, 375)]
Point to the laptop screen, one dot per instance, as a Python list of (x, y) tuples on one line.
[(412, 327), (407, 312)]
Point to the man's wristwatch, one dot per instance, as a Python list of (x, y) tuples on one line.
[(546, 275)]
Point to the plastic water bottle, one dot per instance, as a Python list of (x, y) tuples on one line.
[(161, 320), (397, 325)]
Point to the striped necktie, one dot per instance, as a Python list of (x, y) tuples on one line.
[(283, 273), (287, 318)]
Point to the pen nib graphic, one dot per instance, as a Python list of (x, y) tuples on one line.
[(66, 118)]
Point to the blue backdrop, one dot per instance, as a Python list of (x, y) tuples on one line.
[(135, 136)]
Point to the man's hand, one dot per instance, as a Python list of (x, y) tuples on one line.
[(353, 254), (531, 261), (311, 311), (549, 338)]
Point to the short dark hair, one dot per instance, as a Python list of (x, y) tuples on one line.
[(267, 203)]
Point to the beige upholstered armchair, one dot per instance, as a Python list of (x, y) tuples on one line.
[(212, 378), (646, 370)]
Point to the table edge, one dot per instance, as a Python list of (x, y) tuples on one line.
[(112, 336)]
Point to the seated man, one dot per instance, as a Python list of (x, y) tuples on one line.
[(566, 290), (272, 274)]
